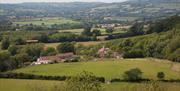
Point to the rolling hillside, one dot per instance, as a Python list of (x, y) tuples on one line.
[(97, 12)]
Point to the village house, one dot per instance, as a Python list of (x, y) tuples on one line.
[(104, 52), (56, 58), (106, 25)]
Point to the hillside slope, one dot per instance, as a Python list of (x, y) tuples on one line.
[(162, 42)]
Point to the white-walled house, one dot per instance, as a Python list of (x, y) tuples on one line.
[(51, 59)]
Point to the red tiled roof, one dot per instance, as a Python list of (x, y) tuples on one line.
[(57, 57)]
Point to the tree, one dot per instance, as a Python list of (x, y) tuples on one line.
[(84, 81), (48, 51), (110, 30), (13, 50), (136, 29), (96, 32), (33, 51), (160, 75), (44, 38), (133, 75), (87, 29), (5, 62), (20, 41), (66, 47), (21, 58), (5, 43)]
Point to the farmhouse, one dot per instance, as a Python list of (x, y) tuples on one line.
[(103, 51), (57, 58), (106, 52)]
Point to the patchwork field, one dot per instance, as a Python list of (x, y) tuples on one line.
[(108, 68), (47, 21), (27, 85)]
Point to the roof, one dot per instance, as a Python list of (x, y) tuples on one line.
[(103, 49), (57, 57), (31, 41)]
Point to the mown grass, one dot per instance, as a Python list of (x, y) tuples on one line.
[(27, 85), (108, 68), (47, 21)]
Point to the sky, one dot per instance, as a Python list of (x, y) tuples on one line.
[(21, 1)]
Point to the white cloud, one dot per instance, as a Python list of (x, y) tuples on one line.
[(20, 1)]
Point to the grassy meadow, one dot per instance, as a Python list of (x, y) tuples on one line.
[(27, 85), (108, 68), (47, 21)]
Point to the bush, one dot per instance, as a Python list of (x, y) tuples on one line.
[(5, 43), (133, 75), (160, 75), (84, 81)]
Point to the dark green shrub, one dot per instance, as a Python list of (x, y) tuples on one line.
[(160, 75), (133, 75)]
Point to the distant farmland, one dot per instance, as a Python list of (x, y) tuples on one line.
[(47, 21)]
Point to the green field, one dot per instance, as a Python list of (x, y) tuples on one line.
[(108, 68), (47, 21), (26, 85)]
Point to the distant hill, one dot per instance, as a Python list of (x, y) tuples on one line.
[(96, 12)]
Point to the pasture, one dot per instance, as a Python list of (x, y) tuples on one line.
[(108, 68), (26, 85), (46, 20)]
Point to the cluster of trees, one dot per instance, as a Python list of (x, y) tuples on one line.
[(43, 27), (18, 56), (15, 56), (64, 37), (19, 38), (87, 30)]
